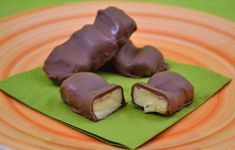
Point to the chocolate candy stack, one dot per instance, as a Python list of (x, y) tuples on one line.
[(107, 40), (92, 46)]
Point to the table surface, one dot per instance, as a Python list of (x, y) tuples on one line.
[(222, 8)]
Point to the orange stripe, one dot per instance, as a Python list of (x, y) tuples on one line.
[(19, 140), (210, 135), (194, 22), (83, 137), (34, 26), (229, 139), (191, 40), (26, 52), (25, 13), (51, 142), (193, 60), (205, 118)]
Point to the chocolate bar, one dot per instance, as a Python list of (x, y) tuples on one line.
[(92, 46), (165, 93), (86, 50), (139, 62), (91, 96)]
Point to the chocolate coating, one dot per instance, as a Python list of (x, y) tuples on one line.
[(86, 50), (81, 90), (115, 23), (176, 89), (91, 47), (138, 62)]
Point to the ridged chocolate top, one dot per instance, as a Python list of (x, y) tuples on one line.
[(139, 62), (81, 89), (114, 22), (92, 46), (176, 89)]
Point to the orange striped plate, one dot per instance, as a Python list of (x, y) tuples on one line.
[(183, 35)]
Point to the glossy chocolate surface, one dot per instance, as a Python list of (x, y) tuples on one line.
[(176, 89), (92, 46), (81, 89), (114, 22), (139, 62)]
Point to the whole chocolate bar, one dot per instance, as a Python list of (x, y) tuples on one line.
[(165, 93), (90, 47), (91, 96), (86, 50), (138, 62)]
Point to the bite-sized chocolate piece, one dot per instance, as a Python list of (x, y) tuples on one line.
[(91, 96), (90, 47), (139, 62), (116, 23), (86, 50), (165, 93)]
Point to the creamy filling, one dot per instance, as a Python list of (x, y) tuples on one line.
[(105, 105), (150, 101)]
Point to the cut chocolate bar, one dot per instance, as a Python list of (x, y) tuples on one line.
[(91, 96), (139, 62), (165, 93)]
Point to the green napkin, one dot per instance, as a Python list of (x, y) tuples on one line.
[(128, 127)]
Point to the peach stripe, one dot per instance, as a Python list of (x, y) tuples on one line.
[(205, 119), (195, 141), (194, 61), (20, 141), (203, 138), (231, 126), (193, 22), (8, 18), (23, 132), (26, 52), (191, 40), (16, 110), (40, 24)]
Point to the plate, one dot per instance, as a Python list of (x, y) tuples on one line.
[(183, 35)]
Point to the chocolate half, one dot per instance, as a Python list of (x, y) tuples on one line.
[(91, 47), (91, 96), (139, 62), (165, 93)]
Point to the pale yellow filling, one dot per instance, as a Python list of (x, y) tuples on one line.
[(103, 106), (150, 101)]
